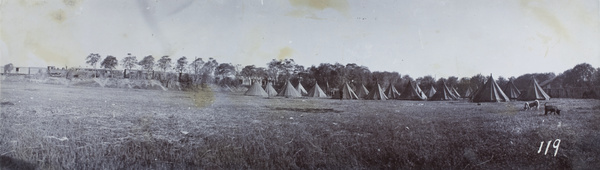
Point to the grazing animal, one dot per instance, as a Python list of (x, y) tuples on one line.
[(551, 109), (529, 106)]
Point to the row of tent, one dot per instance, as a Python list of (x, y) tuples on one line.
[(488, 92)]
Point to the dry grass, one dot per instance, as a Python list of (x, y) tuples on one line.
[(59, 127)]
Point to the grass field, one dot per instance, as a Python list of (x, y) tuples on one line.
[(73, 127)]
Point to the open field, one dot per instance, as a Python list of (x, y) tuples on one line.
[(75, 127)]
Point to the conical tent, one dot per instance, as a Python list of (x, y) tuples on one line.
[(421, 92), (289, 91), (534, 92), (490, 92), (443, 94), (511, 90), (410, 93), (362, 91), (316, 91), (376, 93), (468, 93), (270, 90), (301, 89), (346, 93), (256, 90), (391, 92), (430, 92), (455, 92)]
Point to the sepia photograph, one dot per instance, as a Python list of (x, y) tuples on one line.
[(299, 84)]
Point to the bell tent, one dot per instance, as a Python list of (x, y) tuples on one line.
[(411, 93), (490, 92), (289, 91), (301, 89), (270, 90), (391, 92), (316, 91), (511, 90), (534, 92), (346, 93), (376, 93), (430, 92), (362, 91), (443, 94), (256, 90)]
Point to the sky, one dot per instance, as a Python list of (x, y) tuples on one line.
[(421, 37)]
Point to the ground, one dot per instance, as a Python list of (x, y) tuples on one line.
[(76, 127)]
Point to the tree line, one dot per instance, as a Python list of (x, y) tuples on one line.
[(327, 75)]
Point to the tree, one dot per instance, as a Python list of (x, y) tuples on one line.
[(129, 62), (110, 62), (196, 67), (501, 81), (282, 70), (164, 63), (147, 63), (426, 81), (93, 59), (8, 68), (224, 70), (579, 76), (252, 72), (181, 63), (208, 70)]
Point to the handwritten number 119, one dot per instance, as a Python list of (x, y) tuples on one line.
[(555, 145)]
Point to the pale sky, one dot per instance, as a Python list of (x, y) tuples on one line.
[(421, 37)]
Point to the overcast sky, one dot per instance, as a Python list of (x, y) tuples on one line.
[(421, 37)]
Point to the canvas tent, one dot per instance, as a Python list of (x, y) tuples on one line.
[(534, 92), (301, 89), (346, 93), (421, 92), (391, 92), (411, 93), (376, 93), (362, 91), (430, 92), (289, 91), (256, 90), (490, 92), (270, 90), (316, 91), (455, 93), (443, 93), (511, 90), (468, 93)]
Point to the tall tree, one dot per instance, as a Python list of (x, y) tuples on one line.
[(164, 63), (110, 62), (181, 64), (129, 62), (93, 59), (196, 68), (208, 70)]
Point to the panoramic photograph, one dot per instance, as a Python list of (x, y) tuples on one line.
[(299, 84)]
